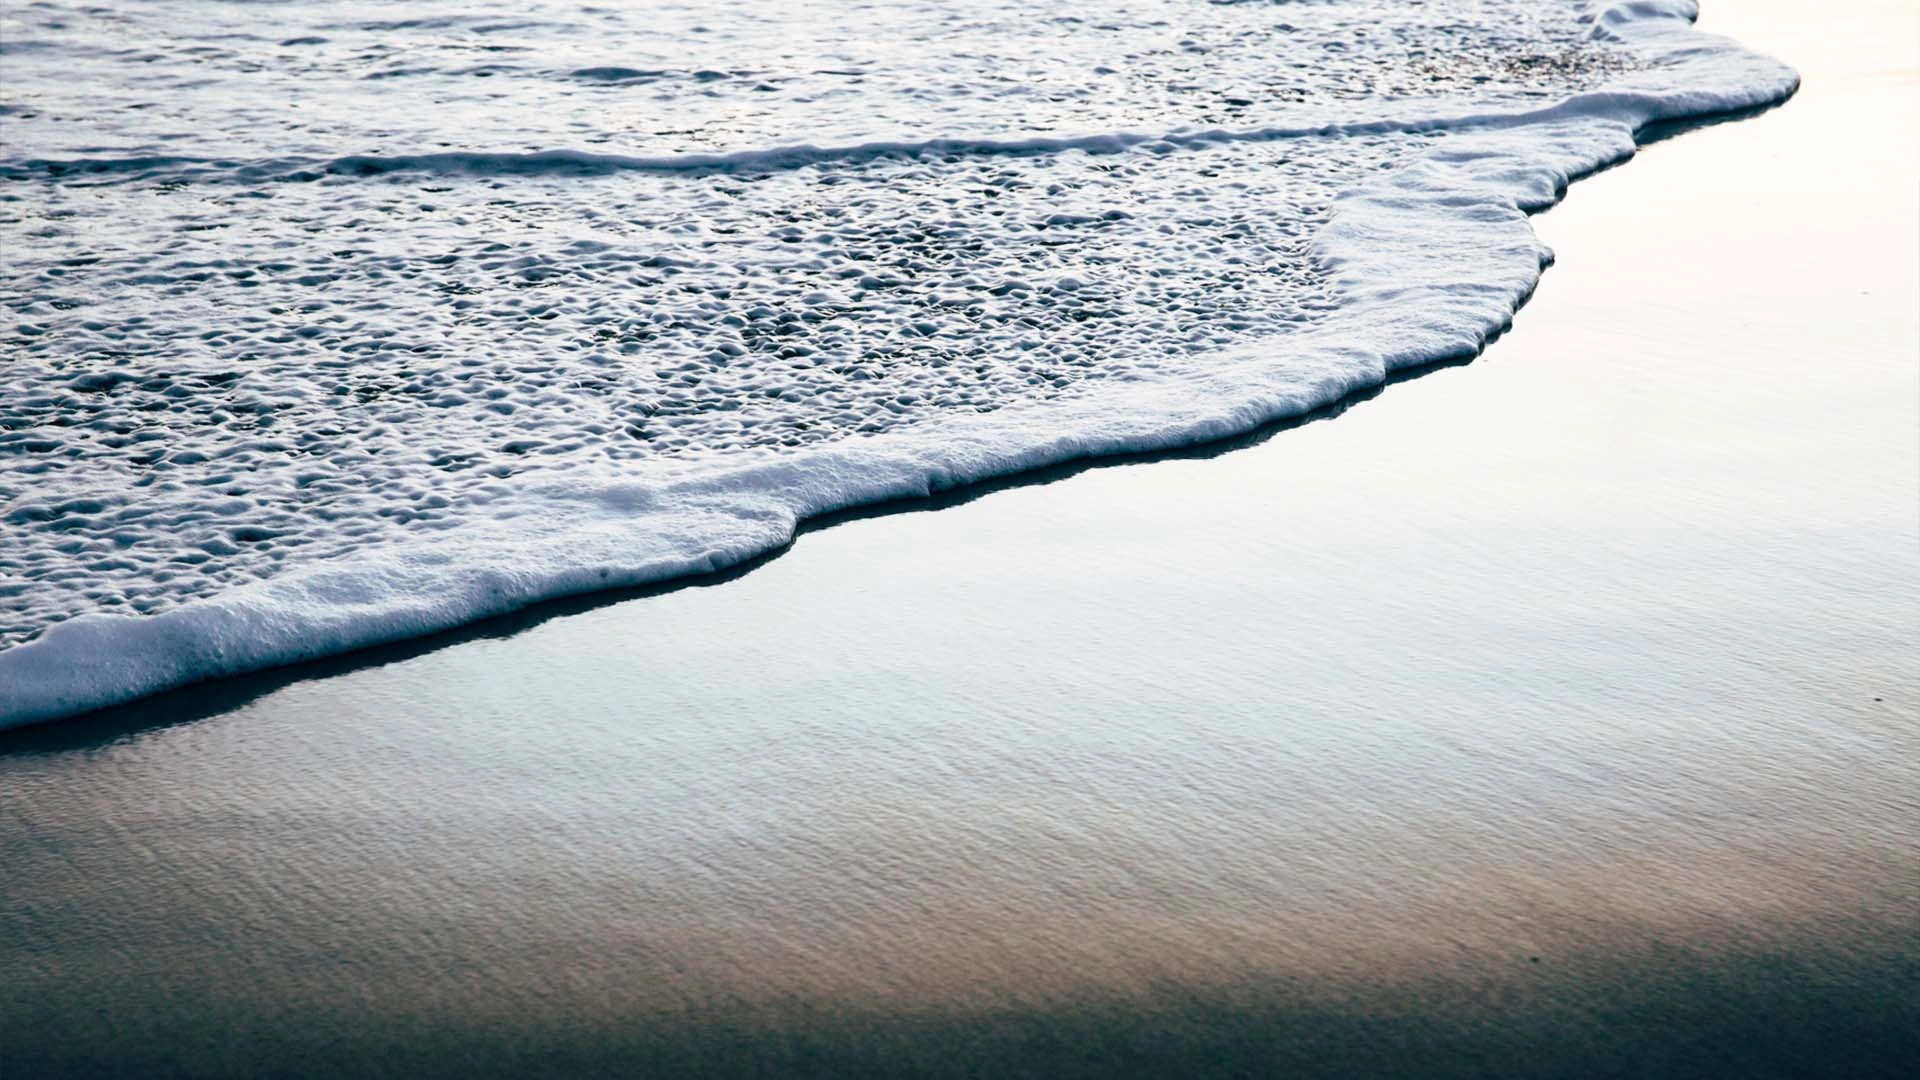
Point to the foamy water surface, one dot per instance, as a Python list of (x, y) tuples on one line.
[(329, 323)]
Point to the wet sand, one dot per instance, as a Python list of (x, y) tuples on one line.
[(1551, 715)]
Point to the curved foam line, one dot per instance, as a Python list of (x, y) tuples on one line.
[(770, 159), (1416, 293)]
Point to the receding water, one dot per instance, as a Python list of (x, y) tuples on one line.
[(330, 324)]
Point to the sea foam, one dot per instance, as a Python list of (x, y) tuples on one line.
[(312, 384)]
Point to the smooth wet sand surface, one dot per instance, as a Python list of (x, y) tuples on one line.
[(1554, 715)]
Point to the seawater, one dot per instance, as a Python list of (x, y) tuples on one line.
[(330, 324)]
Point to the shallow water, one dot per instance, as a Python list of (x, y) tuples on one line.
[(330, 327), (1554, 715)]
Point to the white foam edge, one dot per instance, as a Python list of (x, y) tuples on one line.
[(1431, 259)]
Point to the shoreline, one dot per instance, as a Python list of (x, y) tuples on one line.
[(213, 696), (1552, 715), (729, 518)]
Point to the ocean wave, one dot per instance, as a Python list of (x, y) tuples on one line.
[(1424, 245)]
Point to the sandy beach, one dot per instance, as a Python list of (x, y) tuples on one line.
[(1556, 714)]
